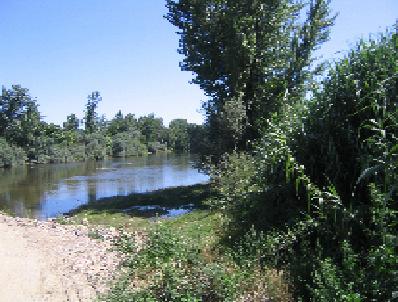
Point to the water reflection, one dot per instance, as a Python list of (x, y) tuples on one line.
[(154, 211), (47, 190)]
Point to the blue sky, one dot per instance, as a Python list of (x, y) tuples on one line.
[(62, 50)]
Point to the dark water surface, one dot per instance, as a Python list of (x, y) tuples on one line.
[(42, 191)]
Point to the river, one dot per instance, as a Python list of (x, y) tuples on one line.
[(44, 191)]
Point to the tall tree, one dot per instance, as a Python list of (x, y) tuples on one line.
[(249, 56), (117, 124), (151, 127), (72, 122), (19, 116), (91, 117), (178, 135)]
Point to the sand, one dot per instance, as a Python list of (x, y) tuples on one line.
[(46, 261)]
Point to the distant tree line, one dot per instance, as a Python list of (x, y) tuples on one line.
[(25, 137)]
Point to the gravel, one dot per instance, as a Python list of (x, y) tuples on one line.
[(72, 265)]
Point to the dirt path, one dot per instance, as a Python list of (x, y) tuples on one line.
[(46, 261)]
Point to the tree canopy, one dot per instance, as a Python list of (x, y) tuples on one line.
[(22, 128), (249, 57)]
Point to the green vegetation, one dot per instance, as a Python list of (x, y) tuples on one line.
[(302, 156), (10, 156), (24, 137), (247, 56), (304, 171), (171, 267), (117, 211), (182, 257), (320, 187)]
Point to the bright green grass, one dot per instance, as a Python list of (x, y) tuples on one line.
[(199, 225)]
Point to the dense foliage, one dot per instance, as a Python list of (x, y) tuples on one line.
[(176, 271), (10, 156), (26, 137), (305, 171), (320, 187), (166, 269), (246, 56), (303, 163)]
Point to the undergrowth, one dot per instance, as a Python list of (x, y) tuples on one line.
[(180, 263)]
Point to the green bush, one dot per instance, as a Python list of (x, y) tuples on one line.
[(98, 146), (329, 285), (321, 184), (173, 268), (156, 146), (10, 155), (127, 144), (77, 152)]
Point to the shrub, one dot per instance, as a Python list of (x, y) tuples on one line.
[(156, 146), (171, 267), (127, 144), (98, 146), (321, 183), (10, 155)]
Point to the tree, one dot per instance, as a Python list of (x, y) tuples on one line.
[(19, 117), (131, 122), (249, 56), (178, 135), (52, 131), (117, 124), (150, 127), (72, 122), (20, 120), (198, 139), (10, 155), (91, 116), (321, 184), (97, 146), (127, 144)]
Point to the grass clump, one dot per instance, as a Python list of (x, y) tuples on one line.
[(181, 260)]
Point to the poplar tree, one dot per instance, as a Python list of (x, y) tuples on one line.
[(249, 57), (91, 114)]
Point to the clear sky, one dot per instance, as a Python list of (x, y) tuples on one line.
[(62, 50)]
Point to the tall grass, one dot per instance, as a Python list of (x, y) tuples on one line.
[(320, 188)]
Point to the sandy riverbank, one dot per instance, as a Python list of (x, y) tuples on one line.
[(47, 261)]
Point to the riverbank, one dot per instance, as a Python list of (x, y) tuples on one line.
[(103, 251), (73, 258), (47, 261), (184, 258)]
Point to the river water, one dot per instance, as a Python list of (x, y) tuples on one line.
[(43, 191)]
